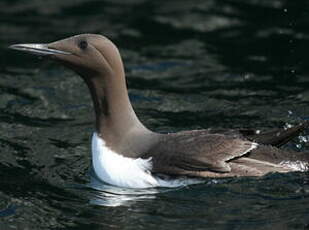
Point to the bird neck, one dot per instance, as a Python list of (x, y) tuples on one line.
[(115, 117)]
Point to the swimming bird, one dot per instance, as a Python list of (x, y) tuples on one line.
[(127, 154)]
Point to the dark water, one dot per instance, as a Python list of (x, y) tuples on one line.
[(190, 65)]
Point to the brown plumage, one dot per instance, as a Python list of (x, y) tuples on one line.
[(224, 153)]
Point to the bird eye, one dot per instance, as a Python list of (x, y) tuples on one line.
[(83, 44)]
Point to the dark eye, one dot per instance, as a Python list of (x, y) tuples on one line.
[(83, 44)]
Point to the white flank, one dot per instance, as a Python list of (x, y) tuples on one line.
[(121, 171), (118, 170)]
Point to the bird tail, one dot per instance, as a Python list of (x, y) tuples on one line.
[(278, 137)]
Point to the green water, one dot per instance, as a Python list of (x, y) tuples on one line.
[(190, 65)]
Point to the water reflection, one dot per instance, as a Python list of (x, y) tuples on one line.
[(107, 195), (103, 194)]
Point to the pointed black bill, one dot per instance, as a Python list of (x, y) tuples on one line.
[(37, 49)]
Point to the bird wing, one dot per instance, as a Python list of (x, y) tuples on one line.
[(197, 151)]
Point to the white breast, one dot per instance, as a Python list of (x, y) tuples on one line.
[(118, 170)]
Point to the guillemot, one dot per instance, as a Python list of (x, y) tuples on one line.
[(127, 154)]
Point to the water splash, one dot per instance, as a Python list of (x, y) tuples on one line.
[(296, 165)]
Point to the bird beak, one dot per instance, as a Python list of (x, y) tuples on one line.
[(37, 49)]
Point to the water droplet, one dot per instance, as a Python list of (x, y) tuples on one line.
[(303, 139), (247, 76), (287, 125)]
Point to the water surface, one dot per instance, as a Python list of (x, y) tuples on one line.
[(190, 65)]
